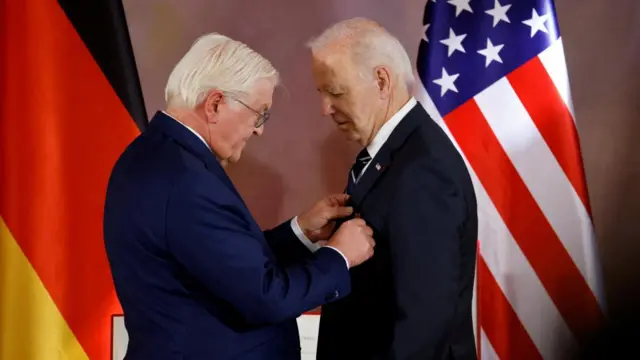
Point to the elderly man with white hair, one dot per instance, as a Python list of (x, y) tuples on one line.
[(196, 276), (412, 299)]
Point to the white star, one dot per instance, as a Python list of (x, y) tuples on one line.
[(536, 23), (454, 42), (491, 53), (424, 32), (461, 5), (499, 12), (446, 82)]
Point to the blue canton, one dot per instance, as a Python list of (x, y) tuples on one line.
[(470, 44)]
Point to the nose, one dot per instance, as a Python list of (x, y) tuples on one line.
[(259, 131), (327, 107)]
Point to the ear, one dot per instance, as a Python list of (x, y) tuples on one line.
[(211, 103), (383, 80)]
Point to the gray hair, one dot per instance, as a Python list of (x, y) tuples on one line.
[(215, 61), (369, 45)]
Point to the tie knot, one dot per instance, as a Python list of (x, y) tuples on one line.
[(362, 160)]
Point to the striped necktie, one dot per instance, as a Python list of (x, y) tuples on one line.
[(362, 160)]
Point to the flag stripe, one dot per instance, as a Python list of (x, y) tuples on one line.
[(507, 336), (534, 162), (550, 114), (488, 353), (518, 281), (523, 217), (554, 62), (102, 26), (27, 311), (513, 273), (56, 158)]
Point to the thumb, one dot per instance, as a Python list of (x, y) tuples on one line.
[(339, 199), (341, 211)]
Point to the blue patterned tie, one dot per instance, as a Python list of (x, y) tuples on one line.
[(362, 160)]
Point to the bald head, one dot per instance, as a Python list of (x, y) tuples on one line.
[(368, 44)]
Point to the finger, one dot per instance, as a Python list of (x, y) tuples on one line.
[(339, 199), (341, 211), (338, 212), (371, 242)]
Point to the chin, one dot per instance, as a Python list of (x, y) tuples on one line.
[(235, 158), (352, 136)]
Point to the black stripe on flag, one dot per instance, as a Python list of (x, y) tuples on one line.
[(102, 26)]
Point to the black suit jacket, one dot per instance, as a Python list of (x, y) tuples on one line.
[(412, 299)]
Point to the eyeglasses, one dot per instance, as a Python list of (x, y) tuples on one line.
[(262, 116)]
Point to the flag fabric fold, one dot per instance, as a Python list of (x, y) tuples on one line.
[(493, 75), (70, 94)]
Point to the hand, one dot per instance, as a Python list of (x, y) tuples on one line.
[(318, 222), (355, 241)]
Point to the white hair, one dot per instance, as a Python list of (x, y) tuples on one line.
[(215, 61), (369, 44)]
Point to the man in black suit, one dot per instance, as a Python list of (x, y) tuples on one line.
[(413, 298)]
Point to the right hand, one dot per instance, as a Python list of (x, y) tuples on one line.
[(355, 241)]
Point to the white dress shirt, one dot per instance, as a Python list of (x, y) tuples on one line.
[(294, 222), (386, 130), (373, 148)]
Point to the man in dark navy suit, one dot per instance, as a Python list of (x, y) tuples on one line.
[(412, 299), (195, 275)]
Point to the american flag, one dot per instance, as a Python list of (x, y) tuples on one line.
[(493, 75)]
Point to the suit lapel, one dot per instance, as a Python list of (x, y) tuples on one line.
[(381, 162)]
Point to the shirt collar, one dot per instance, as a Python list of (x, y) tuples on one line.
[(386, 129), (190, 129)]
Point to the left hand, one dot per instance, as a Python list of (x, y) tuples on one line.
[(317, 223)]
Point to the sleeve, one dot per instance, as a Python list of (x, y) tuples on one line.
[(209, 237), (426, 214), (285, 244), (313, 247), (297, 230)]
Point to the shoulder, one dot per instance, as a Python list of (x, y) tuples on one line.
[(431, 170), (200, 183)]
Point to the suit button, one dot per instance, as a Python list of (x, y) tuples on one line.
[(332, 296)]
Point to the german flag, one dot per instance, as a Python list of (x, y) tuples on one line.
[(69, 95)]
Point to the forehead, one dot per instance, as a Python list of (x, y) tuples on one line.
[(333, 66)]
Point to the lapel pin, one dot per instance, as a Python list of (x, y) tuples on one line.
[(378, 167)]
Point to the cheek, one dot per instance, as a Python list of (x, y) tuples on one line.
[(359, 111), (242, 134)]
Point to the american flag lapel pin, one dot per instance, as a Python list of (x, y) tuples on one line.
[(378, 167)]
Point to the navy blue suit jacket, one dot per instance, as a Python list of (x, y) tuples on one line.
[(196, 276), (412, 299)]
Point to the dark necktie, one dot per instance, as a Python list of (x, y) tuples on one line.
[(362, 160)]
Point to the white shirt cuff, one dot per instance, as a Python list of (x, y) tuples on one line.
[(303, 238), (310, 245)]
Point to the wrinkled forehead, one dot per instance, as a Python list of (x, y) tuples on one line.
[(334, 65)]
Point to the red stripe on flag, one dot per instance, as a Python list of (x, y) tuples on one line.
[(62, 128), (524, 219), (553, 119), (502, 326), (479, 284)]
